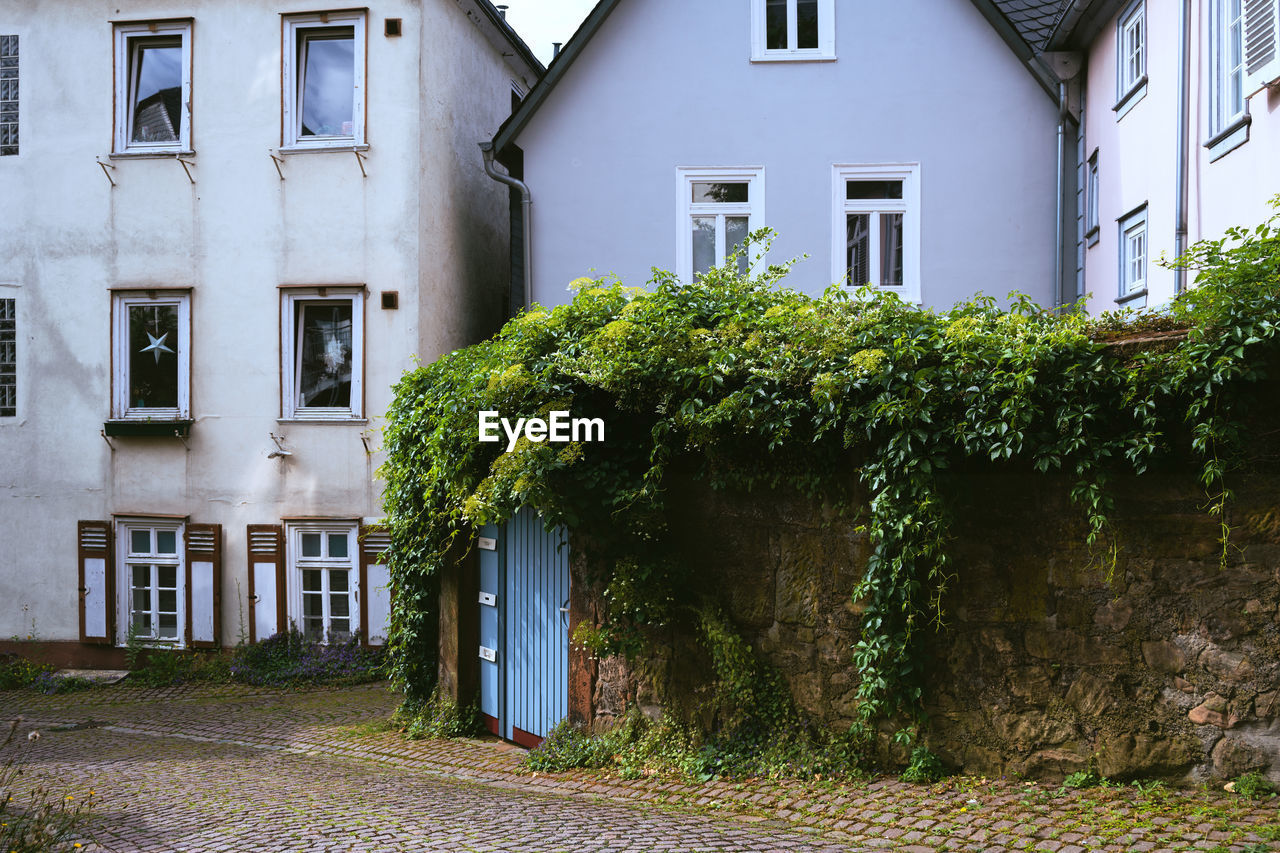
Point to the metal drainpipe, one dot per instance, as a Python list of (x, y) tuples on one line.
[(1058, 260), (526, 202), (1184, 110)]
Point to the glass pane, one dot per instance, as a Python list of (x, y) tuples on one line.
[(704, 243), (142, 624), (806, 24), (312, 605), (337, 544), (168, 577), (157, 90), (736, 192), (313, 628), (872, 189), (858, 248), (340, 605), (141, 601), (311, 544), (166, 542), (338, 581), (153, 356), (891, 250), (168, 626), (340, 630), (324, 368), (141, 576), (140, 541), (735, 236), (328, 82), (775, 24), (168, 601), (311, 580)]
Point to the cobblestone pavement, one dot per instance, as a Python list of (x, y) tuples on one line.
[(233, 768)]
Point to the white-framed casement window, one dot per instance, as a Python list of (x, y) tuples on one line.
[(322, 346), (152, 595), (793, 30), (1228, 112), (1133, 255), (1131, 57), (151, 355), (716, 210), (323, 579), (875, 227), (324, 80), (1092, 224), (153, 87)]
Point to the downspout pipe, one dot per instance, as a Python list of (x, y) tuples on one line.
[(526, 203), (1184, 111), (1059, 261)]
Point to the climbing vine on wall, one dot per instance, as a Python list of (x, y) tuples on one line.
[(748, 384)]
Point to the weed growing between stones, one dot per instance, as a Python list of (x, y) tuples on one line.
[(37, 818), (1252, 786), (438, 717)]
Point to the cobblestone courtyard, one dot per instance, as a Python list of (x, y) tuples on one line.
[(232, 768)]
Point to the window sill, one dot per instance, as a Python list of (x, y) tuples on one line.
[(1091, 236), (1126, 300), (1130, 98), (166, 154), (323, 420), (1229, 138), (166, 429), (335, 146), (793, 57)]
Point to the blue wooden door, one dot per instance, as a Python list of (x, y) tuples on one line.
[(524, 628)]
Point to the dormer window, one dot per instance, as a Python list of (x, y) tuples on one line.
[(792, 30)]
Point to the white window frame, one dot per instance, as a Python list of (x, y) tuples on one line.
[(127, 37), (1226, 31), (290, 408), (1131, 87), (121, 302), (296, 563), (824, 52), (908, 206), (9, 354), (1131, 226), (1092, 202), (293, 28), (124, 578), (686, 209)]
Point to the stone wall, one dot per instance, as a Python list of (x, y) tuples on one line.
[(1140, 655)]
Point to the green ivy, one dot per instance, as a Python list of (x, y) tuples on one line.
[(861, 401)]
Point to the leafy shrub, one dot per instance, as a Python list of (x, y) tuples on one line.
[(439, 717), (924, 767), (49, 683), (17, 671), (1254, 786), (41, 819), (1088, 778), (289, 658)]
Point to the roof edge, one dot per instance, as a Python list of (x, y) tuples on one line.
[(499, 22), (1019, 46), (577, 42)]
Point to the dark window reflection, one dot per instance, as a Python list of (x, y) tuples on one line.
[(324, 354), (775, 23), (153, 356), (157, 90), (806, 24)]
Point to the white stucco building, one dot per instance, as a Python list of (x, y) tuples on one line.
[(229, 228)]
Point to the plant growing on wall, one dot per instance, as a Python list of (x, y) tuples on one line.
[(748, 384)]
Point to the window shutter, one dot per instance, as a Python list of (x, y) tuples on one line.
[(375, 580), (266, 581), (1261, 44), (97, 582), (204, 585)]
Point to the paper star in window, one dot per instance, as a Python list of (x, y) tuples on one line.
[(157, 345)]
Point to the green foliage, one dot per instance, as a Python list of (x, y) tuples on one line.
[(36, 817), (1087, 778), (924, 767), (439, 717), (1254, 786), (746, 384), (16, 671)]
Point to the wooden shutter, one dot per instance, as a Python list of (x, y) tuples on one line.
[(97, 582), (375, 581), (266, 581), (1261, 44), (204, 585)]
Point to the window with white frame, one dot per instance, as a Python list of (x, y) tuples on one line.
[(1133, 254), (1092, 188), (1131, 52), (875, 227), (324, 80), (1226, 66), (718, 209), (8, 358), (322, 342), (792, 30), (151, 579), (153, 87), (323, 579), (151, 359)]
